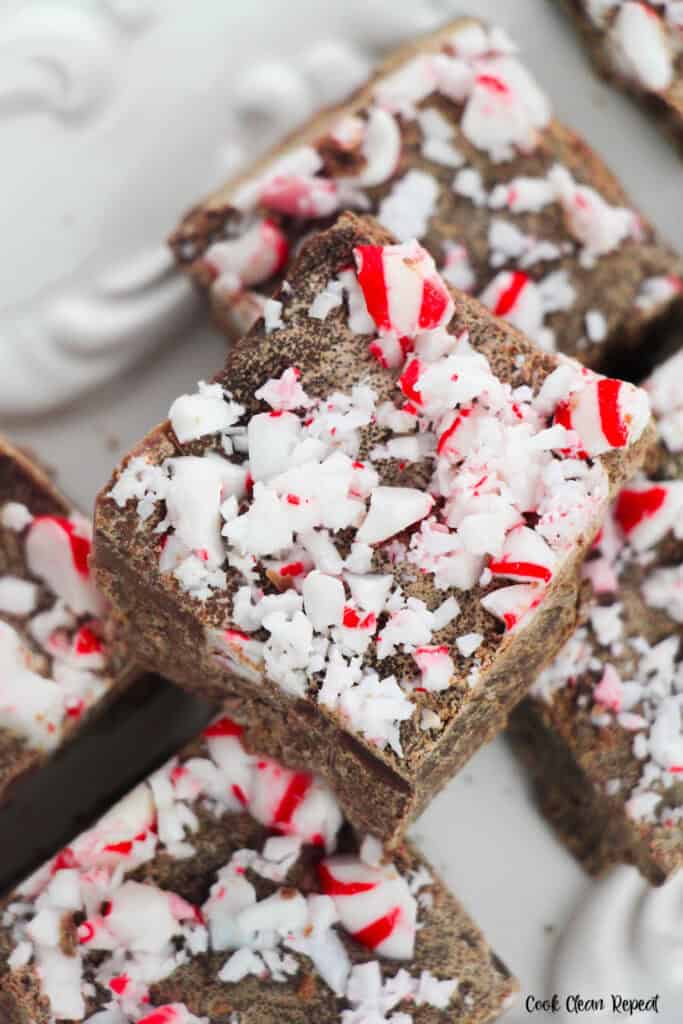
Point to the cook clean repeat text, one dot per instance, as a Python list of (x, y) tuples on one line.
[(574, 1003)]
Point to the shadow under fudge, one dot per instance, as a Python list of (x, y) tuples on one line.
[(46, 808), (379, 791)]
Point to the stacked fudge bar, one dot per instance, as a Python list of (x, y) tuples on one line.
[(228, 890), (453, 143), (640, 46), (602, 730), (59, 662), (364, 536)]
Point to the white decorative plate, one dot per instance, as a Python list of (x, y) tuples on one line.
[(115, 115)]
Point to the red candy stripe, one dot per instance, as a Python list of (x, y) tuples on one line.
[(239, 794), (292, 569), (493, 83), (530, 569), (375, 933), (409, 379), (164, 1015), (87, 642), (297, 789), (508, 297), (65, 859), (224, 727), (448, 433), (613, 427), (331, 886), (632, 507), (433, 307), (372, 281), (352, 620), (80, 546)]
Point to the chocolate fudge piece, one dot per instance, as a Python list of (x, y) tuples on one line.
[(639, 46), (602, 730), (227, 889), (364, 536), (451, 142), (57, 662)]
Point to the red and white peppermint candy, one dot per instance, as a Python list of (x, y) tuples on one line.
[(120, 834), (665, 744), (272, 437), (666, 396), (646, 511), (403, 291), (284, 393), (323, 600), (458, 431), (57, 552), (374, 904), (605, 413), (87, 649), (171, 1013), (294, 803), (515, 297), (609, 692), (639, 44), (512, 605), (590, 219), (139, 917), (505, 109), (393, 509), (526, 556), (390, 351), (250, 259), (223, 739), (381, 148), (30, 705), (436, 666), (302, 196)]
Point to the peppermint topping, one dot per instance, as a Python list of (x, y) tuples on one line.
[(403, 292), (129, 934), (286, 521), (461, 96), (206, 412), (52, 665), (664, 390), (640, 46), (631, 682), (57, 552)]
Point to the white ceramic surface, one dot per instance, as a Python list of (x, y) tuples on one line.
[(115, 115)]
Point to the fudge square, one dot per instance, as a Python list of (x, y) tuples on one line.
[(228, 890), (638, 45), (365, 535), (451, 142), (56, 667), (602, 730)]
